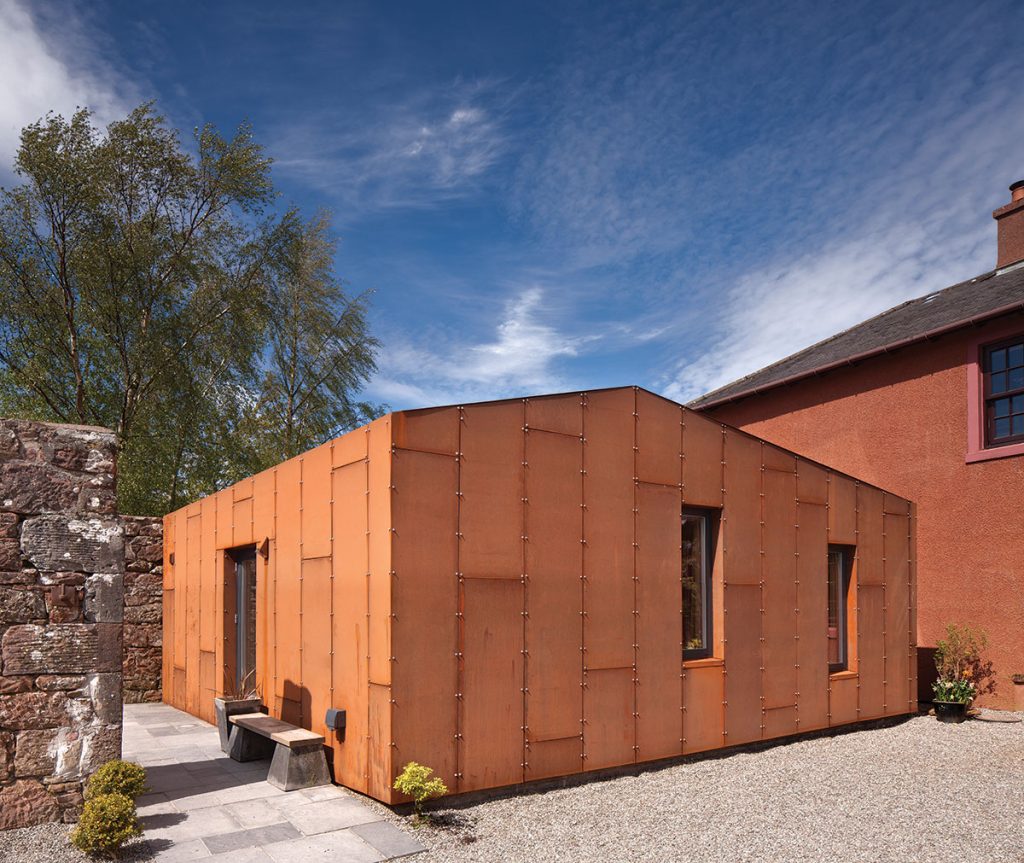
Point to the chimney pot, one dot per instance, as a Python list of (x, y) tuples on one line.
[(1010, 228)]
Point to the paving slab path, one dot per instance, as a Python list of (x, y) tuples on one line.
[(201, 804)]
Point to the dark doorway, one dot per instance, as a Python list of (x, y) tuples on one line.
[(242, 595)]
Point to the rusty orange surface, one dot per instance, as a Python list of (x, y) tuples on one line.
[(394, 589)]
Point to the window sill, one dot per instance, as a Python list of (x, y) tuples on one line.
[(710, 662), (1005, 451), (843, 675)]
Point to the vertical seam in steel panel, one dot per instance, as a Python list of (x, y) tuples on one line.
[(460, 603), (274, 693), (583, 581), (722, 526), (301, 598), (636, 575), (761, 556), (682, 635), (524, 495), (335, 743)]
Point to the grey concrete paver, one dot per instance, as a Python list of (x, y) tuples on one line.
[(388, 839), (255, 837), (342, 846), (327, 815), (201, 805)]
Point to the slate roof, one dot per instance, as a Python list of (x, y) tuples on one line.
[(986, 296)]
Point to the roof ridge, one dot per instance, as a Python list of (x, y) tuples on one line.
[(737, 384)]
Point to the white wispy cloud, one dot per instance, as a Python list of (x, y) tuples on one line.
[(51, 62), (428, 148), (521, 356)]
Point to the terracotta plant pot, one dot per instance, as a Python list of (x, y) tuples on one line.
[(226, 707), (950, 711)]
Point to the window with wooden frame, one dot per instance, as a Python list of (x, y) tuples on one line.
[(840, 567), (698, 566), (1003, 388)]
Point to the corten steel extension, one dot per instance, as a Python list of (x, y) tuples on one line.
[(495, 590)]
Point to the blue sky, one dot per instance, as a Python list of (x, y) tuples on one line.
[(563, 196)]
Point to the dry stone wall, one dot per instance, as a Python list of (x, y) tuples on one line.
[(143, 607), (62, 562)]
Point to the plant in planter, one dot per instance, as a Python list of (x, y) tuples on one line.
[(245, 697), (963, 675), (1018, 692)]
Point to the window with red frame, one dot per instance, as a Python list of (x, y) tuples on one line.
[(1003, 370)]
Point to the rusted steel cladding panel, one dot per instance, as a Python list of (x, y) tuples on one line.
[(843, 700), (224, 518), (812, 600), (812, 483), (871, 647), (547, 758), (263, 506), (379, 539), (870, 569), (554, 555), (780, 721), (208, 685), (430, 430), (193, 613), (177, 638), (316, 644), (382, 763), (167, 659), (241, 521), (350, 629), (658, 439), (742, 663), (897, 613), (774, 458), (779, 597), (608, 728), (842, 510), (562, 413), (424, 633), (208, 587), (608, 525), (351, 447), (287, 590), (703, 694), (316, 502), (742, 511), (491, 482), (242, 489), (702, 460), (492, 691), (659, 629)]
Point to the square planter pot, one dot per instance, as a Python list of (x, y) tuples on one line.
[(227, 707)]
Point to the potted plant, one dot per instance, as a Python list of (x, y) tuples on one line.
[(963, 676), (1018, 692), (241, 698)]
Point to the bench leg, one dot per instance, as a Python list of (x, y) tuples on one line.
[(301, 767), (245, 745)]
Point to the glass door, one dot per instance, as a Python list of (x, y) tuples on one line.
[(245, 617)]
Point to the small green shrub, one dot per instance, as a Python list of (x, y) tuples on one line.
[(117, 777), (415, 781), (963, 674), (107, 822)]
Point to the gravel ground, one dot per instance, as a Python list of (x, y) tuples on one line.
[(48, 843), (918, 791)]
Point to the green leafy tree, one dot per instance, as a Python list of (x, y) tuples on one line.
[(140, 282)]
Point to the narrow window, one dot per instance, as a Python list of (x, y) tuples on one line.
[(1003, 372), (697, 594), (840, 559)]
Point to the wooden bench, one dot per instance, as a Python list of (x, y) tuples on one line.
[(297, 756)]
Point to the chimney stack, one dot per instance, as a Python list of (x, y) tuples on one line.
[(1010, 227)]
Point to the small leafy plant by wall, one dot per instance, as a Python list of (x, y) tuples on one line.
[(109, 818)]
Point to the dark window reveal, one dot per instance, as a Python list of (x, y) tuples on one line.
[(698, 554), (840, 560), (1003, 370)]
